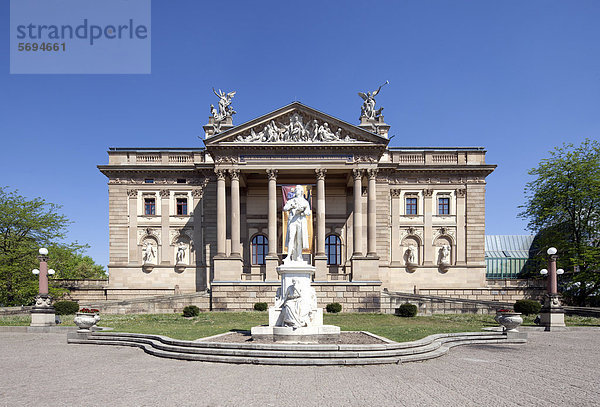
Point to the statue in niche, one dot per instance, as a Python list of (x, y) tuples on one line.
[(298, 210), (444, 255), (411, 258), (298, 305), (149, 253), (368, 108), (180, 256), (225, 109)]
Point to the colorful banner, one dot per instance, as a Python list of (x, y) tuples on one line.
[(288, 192)]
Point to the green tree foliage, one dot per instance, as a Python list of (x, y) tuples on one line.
[(563, 208), (25, 226)]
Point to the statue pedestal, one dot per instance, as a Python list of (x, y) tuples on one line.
[(552, 315), (313, 330)]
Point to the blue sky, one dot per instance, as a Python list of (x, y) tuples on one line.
[(517, 77)]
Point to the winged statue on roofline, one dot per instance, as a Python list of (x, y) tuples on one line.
[(367, 109)]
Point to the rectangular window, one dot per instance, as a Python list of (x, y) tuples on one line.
[(181, 181), (182, 206), (444, 206), (149, 206), (411, 206), (149, 181)]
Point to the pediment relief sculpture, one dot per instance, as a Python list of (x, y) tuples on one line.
[(296, 131)]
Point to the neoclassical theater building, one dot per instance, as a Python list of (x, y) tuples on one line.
[(384, 219)]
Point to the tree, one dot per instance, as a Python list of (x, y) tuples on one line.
[(25, 226), (563, 208)]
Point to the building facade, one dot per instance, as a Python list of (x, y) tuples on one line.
[(384, 218)]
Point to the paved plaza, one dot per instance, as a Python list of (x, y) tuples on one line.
[(558, 368)]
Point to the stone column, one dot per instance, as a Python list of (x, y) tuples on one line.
[(166, 253), (221, 221), (428, 252), (235, 213), (320, 257), (461, 239), (133, 244), (272, 174), (372, 213), (320, 211), (357, 218), (202, 279), (271, 260)]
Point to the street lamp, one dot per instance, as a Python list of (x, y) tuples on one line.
[(42, 313), (552, 313)]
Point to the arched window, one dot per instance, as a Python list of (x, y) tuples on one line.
[(333, 249), (260, 247)]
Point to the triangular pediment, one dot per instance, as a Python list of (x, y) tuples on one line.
[(296, 125)]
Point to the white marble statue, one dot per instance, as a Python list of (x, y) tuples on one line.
[(298, 210), (368, 108), (444, 255), (410, 255), (297, 306), (225, 109), (180, 256), (149, 253)]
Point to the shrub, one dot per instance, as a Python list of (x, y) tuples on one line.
[(260, 306), (528, 307), (66, 307), (334, 307), (407, 310), (191, 311)]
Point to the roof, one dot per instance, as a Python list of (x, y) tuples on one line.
[(508, 245)]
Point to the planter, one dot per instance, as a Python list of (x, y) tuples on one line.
[(85, 321), (509, 320)]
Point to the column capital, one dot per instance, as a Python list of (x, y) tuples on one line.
[(198, 192), (132, 193), (220, 175), (234, 174), (428, 192), (320, 173), (461, 192), (272, 173), (357, 173), (164, 193), (372, 173)]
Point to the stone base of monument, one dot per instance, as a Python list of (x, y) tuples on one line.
[(299, 275), (43, 317)]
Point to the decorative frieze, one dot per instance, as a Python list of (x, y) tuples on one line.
[(300, 129)]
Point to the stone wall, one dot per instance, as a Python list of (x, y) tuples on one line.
[(428, 305), (354, 296), (157, 305)]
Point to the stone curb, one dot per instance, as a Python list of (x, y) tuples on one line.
[(288, 354)]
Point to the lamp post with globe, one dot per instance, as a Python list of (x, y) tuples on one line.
[(552, 314), (43, 313)]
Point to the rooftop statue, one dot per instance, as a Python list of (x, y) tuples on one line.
[(225, 109), (368, 108)]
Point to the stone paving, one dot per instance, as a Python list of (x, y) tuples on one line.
[(556, 368)]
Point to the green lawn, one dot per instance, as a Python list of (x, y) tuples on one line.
[(212, 323)]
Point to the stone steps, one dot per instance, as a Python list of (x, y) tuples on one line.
[(430, 347)]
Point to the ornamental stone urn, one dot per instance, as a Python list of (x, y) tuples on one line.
[(509, 320), (85, 321)]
